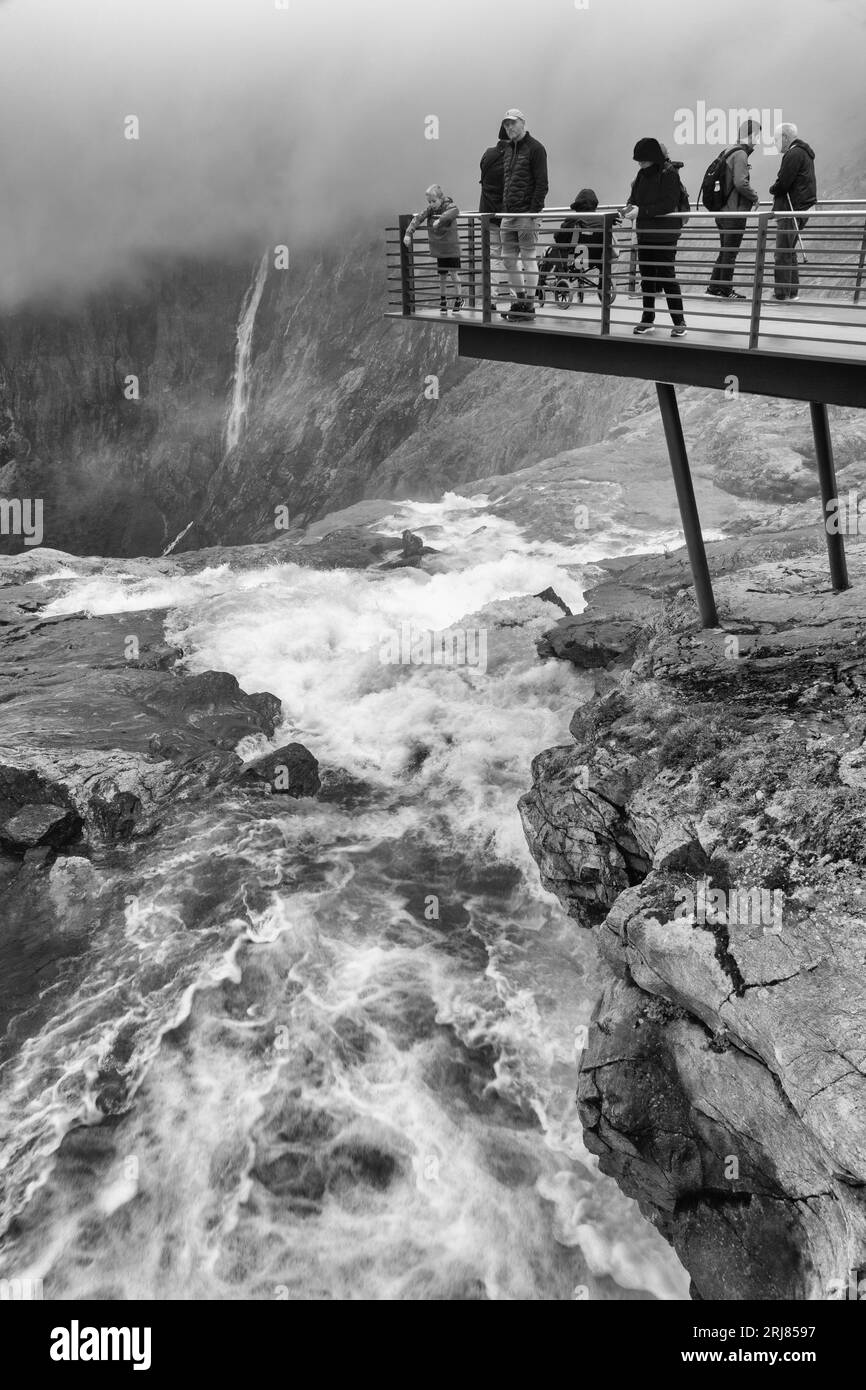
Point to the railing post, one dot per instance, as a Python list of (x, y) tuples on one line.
[(486, 290), (758, 288), (688, 506), (406, 267), (859, 281), (606, 263), (472, 263), (632, 265), (829, 493)]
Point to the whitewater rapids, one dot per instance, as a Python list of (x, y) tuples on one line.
[(349, 1034)]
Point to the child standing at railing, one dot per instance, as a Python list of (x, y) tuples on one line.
[(441, 215)]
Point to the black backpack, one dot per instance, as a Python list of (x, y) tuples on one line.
[(684, 204), (718, 181)]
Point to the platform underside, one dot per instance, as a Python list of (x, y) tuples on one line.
[(799, 355)]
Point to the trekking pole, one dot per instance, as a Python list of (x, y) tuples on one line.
[(797, 230)]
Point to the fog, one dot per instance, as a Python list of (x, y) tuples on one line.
[(262, 125)]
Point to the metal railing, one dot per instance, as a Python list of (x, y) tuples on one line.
[(594, 286)]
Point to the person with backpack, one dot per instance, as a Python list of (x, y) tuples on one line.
[(524, 189), (657, 192), (492, 185), (727, 188), (443, 237), (795, 190)]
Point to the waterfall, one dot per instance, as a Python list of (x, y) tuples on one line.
[(178, 539), (241, 383)]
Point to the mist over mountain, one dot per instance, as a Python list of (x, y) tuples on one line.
[(259, 125)]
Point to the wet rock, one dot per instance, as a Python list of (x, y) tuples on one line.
[(290, 771), (339, 788), (589, 642), (158, 656), (412, 545), (551, 596), (724, 1083), (44, 824), (750, 1202), (214, 705), (9, 867)]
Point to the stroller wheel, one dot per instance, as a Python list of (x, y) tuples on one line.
[(562, 294), (609, 297)]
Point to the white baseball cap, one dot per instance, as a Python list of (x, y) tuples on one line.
[(514, 115)]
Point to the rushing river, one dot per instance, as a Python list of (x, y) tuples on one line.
[(329, 1050)]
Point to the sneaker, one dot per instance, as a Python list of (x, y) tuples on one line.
[(443, 306), (734, 295), (522, 312), (679, 330), (458, 305), (644, 328), (793, 298), (714, 294)]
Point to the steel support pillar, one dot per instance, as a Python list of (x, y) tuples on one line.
[(688, 506), (829, 494)]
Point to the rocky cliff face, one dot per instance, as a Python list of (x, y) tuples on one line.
[(707, 825)]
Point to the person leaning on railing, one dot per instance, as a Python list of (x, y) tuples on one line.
[(655, 193), (443, 237), (795, 190)]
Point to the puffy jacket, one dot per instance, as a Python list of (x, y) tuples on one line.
[(444, 242), (742, 195), (655, 192), (796, 178), (525, 181), (493, 177)]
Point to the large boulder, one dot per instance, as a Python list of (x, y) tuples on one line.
[(36, 825), (591, 642), (290, 771)]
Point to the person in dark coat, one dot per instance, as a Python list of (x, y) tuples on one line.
[(654, 194), (795, 189), (492, 187), (525, 186)]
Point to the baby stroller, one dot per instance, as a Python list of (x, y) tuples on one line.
[(572, 266)]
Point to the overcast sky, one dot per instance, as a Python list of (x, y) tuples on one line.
[(261, 125)]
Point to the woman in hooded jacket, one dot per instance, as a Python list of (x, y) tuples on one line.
[(655, 193)]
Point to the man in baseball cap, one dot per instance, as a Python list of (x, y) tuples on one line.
[(525, 185)]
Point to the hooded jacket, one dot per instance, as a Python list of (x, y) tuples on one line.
[(796, 178), (493, 176), (575, 231), (656, 191), (742, 195), (525, 180), (444, 242)]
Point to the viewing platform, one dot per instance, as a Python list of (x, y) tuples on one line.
[(588, 302), (813, 349)]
